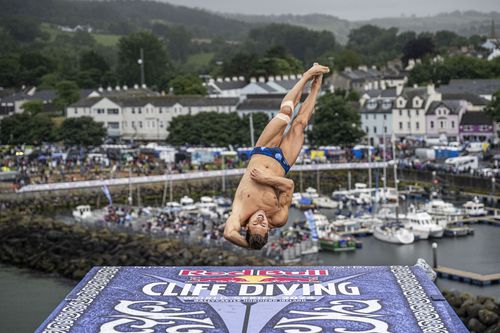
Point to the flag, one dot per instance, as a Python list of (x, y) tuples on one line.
[(312, 224), (105, 189)]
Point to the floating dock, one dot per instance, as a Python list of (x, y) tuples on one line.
[(396, 299), (467, 277)]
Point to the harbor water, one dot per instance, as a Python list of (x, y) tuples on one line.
[(28, 297)]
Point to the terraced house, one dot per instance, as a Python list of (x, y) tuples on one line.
[(145, 118)]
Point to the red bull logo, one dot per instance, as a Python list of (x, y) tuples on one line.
[(251, 276)]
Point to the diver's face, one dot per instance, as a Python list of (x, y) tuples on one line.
[(258, 223)]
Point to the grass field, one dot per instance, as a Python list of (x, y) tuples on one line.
[(107, 40), (103, 39), (199, 60)]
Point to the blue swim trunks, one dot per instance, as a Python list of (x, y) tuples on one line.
[(275, 153)]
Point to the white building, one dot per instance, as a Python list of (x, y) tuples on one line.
[(147, 118), (408, 113), (376, 120)]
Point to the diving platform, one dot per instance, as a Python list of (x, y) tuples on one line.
[(396, 299), (467, 277)]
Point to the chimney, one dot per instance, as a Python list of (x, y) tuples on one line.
[(347, 69), (374, 67), (211, 81), (125, 87), (270, 78), (299, 76), (262, 79), (100, 89), (277, 78), (293, 77), (227, 79), (430, 89), (399, 89), (117, 88), (253, 80), (415, 85), (136, 86), (241, 78), (235, 78), (219, 79), (144, 86), (363, 68), (285, 78), (109, 88)]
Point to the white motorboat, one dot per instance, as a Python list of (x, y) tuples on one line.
[(311, 193), (396, 234), (474, 208), (443, 213), (388, 194), (82, 212), (187, 203), (325, 202), (421, 224)]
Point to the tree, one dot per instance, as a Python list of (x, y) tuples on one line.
[(67, 93), (92, 60), (33, 107), (493, 108), (26, 128), (346, 58), (214, 129), (156, 62), (335, 122), (22, 29), (82, 131), (418, 48), (34, 65), (187, 85)]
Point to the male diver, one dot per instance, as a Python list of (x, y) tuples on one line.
[(264, 194)]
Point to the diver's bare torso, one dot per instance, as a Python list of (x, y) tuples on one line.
[(252, 196)]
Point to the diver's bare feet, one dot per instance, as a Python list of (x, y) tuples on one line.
[(316, 70)]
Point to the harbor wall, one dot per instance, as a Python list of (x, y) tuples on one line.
[(480, 313), (44, 244)]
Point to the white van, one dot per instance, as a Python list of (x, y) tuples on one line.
[(463, 163)]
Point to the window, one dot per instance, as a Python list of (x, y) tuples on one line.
[(452, 124), (400, 125), (409, 113), (385, 117), (133, 110), (409, 125), (417, 113), (400, 113), (160, 110), (153, 124), (100, 111), (432, 124), (374, 116), (114, 125), (385, 129), (366, 115), (441, 124), (140, 124), (161, 123), (113, 111), (375, 129), (367, 130), (417, 124), (76, 111), (140, 110), (133, 124)]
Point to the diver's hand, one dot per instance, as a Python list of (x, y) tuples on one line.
[(257, 175), (316, 70)]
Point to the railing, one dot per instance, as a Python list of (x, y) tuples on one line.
[(187, 176)]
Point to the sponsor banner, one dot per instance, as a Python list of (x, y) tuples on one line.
[(254, 299), (188, 176)]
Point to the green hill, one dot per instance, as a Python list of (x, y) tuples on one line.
[(121, 16)]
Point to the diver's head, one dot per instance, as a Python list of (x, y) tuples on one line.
[(257, 230)]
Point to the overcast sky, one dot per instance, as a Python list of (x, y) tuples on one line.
[(350, 9)]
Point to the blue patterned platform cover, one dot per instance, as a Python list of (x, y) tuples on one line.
[(254, 299)]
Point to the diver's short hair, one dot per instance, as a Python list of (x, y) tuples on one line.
[(256, 241)]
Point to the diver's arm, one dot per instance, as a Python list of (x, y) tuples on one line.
[(232, 230), (282, 184)]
